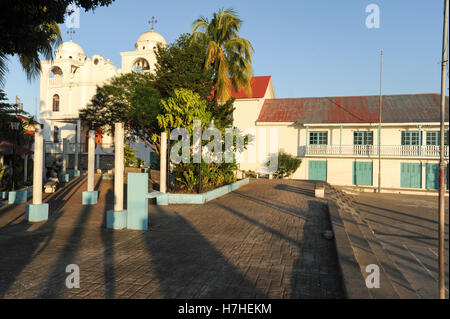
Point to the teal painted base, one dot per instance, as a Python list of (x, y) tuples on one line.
[(20, 197), (3, 195), (37, 213), (76, 173), (64, 178), (90, 198), (162, 200), (116, 220), (166, 199)]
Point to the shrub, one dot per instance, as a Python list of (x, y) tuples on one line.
[(287, 165)]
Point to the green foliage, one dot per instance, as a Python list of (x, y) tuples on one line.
[(227, 54), (186, 178), (181, 66), (2, 173), (7, 113), (181, 110), (130, 157), (287, 165), (130, 99), (30, 28)]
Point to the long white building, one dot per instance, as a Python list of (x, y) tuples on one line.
[(339, 138)]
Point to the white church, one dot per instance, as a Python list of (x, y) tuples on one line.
[(69, 82)]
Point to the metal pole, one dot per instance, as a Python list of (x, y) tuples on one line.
[(442, 162), (379, 125), (163, 163)]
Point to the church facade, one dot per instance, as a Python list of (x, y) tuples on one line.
[(68, 83)]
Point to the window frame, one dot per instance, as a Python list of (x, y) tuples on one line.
[(56, 102), (366, 138), (318, 138)]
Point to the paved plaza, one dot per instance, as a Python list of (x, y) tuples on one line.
[(407, 226), (262, 241)]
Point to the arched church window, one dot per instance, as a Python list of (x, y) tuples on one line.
[(56, 72), (56, 103), (141, 64)]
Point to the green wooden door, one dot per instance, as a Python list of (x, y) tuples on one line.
[(411, 175), (432, 176), (317, 170), (363, 173)]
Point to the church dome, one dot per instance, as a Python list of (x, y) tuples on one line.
[(149, 39), (70, 50)]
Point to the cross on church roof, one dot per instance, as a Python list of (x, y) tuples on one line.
[(71, 32), (153, 21)]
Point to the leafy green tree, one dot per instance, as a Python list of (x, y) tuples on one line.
[(30, 28), (181, 110), (227, 54), (130, 99), (181, 66), (7, 113)]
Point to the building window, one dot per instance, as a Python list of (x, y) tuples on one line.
[(410, 138), (433, 138), (56, 134), (318, 138), (363, 138), (56, 103)]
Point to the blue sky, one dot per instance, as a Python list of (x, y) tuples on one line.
[(310, 48)]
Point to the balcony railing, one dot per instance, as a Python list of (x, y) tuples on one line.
[(372, 150), (57, 148), (56, 82)]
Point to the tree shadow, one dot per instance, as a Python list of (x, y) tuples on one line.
[(55, 284), (315, 274), (107, 236), (23, 241), (188, 266)]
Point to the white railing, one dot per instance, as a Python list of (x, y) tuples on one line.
[(56, 82), (372, 150), (57, 148)]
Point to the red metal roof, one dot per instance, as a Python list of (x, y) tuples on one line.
[(354, 109), (259, 88)]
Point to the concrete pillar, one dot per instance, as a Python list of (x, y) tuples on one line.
[(118, 218), (119, 166), (37, 212), (76, 171), (91, 159), (163, 163), (64, 177), (91, 197)]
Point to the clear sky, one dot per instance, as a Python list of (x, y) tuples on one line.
[(310, 48)]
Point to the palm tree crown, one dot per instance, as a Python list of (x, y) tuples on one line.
[(227, 54)]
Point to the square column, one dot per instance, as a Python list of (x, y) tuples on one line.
[(91, 197), (38, 211), (117, 218)]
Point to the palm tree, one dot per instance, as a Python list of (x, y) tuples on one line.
[(29, 58), (227, 54)]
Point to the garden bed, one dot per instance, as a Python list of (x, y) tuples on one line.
[(166, 199)]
